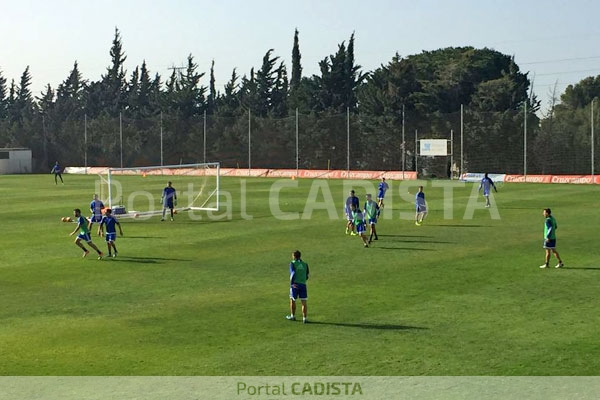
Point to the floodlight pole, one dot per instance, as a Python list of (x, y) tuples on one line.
[(462, 131), (121, 135), (416, 153), (204, 131), (525, 139), (451, 154), (592, 133), (85, 140), (249, 141), (45, 148), (348, 139), (109, 189), (297, 144), (161, 139), (403, 145)]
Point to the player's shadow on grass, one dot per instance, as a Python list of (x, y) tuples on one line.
[(416, 239), (460, 226), (146, 260), (143, 237), (406, 236), (402, 248), (129, 260), (198, 221), (391, 327)]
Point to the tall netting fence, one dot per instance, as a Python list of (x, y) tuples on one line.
[(515, 141)]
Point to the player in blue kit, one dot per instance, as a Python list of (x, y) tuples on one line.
[(57, 171), (371, 213), (96, 207), (487, 184), (420, 207), (111, 232), (351, 201), (84, 234), (382, 188), (298, 276), (168, 199)]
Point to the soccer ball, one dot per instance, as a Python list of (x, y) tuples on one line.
[(64, 219), (136, 215), (174, 211), (69, 219)]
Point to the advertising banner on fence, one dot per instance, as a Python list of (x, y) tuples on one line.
[(257, 172), (577, 179), (508, 178), (477, 177), (574, 179)]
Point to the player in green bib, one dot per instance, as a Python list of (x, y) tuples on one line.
[(359, 223), (550, 227), (298, 276), (84, 233), (371, 214)]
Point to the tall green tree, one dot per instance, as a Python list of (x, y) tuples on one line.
[(229, 103), (301, 89), (432, 85), (111, 94), (339, 80), (70, 95), (248, 93), (296, 64), (581, 94), (46, 101), (352, 77), (265, 85), (279, 94), (64, 124), (133, 93), (21, 102), (145, 93), (3, 97), (46, 106), (191, 97), (495, 122), (389, 92), (564, 144), (212, 93)]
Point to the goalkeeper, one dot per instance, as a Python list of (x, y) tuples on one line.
[(168, 200)]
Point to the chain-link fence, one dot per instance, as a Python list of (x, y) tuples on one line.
[(499, 142)]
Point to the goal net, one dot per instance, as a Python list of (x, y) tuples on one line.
[(137, 192)]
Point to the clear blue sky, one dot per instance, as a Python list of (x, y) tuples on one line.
[(556, 41)]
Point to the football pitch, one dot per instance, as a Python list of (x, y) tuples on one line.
[(455, 296)]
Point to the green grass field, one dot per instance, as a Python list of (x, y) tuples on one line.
[(208, 297)]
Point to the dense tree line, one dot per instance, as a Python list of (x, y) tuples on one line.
[(420, 93)]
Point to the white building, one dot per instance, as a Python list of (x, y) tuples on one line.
[(15, 161)]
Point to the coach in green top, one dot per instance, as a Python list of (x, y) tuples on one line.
[(550, 227)]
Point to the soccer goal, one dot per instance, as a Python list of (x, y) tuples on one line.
[(137, 192)]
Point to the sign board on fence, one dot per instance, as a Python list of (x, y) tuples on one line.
[(434, 147)]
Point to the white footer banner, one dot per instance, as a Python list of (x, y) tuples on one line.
[(299, 387)]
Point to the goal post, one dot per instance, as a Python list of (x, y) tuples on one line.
[(137, 191)]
